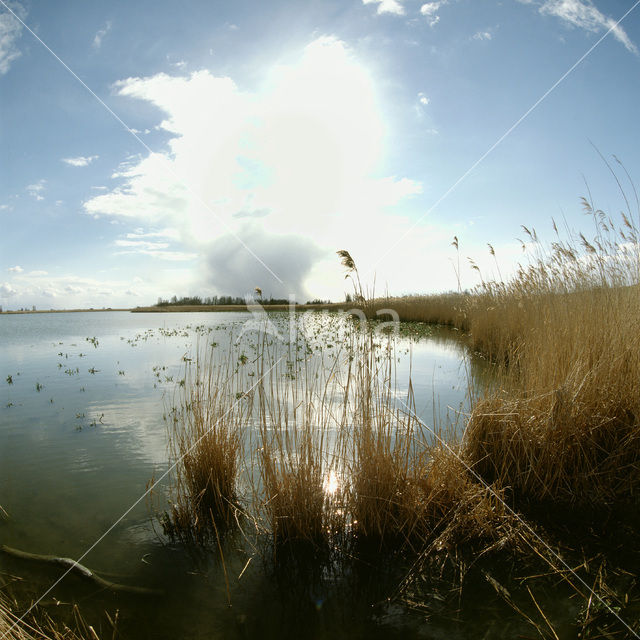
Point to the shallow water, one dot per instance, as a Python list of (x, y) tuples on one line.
[(83, 397)]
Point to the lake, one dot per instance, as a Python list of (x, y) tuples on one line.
[(83, 431)]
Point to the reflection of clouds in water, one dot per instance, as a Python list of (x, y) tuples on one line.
[(135, 427)]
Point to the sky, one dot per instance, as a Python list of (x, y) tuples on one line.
[(151, 149)]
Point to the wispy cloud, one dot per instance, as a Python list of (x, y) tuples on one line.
[(10, 31), (80, 161), (35, 190), (422, 99), (162, 254), (252, 213), (387, 6), (142, 244), (139, 242), (16, 269), (98, 38), (482, 35), (585, 15), (140, 233)]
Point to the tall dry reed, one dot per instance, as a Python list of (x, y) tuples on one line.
[(205, 440)]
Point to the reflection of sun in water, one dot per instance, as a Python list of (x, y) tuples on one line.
[(331, 484)]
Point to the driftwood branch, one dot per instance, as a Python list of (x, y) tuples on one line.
[(80, 570)]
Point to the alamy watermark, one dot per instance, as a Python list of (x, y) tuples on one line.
[(385, 321)]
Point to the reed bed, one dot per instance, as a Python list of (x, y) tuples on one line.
[(562, 422), (320, 450), (328, 452)]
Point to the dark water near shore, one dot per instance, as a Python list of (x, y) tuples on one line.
[(82, 400)]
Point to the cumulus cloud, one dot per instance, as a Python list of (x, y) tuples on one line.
[(585, 15), (291, 163), (16, 269), (99, 37), (430, 11), (80, 161), (10, 32), (422, 99), (387, 6), (7, 291), (73, 289)]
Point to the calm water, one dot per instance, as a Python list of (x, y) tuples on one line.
[(82, 433)]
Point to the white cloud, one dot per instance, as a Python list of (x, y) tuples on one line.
[(422, 99), (172, 256), (97, 40), (73, 289), (10, 32), (68, 291), (35, 190), (172, 234), (7, 291), (304, 147), (430, 11), (482, 35), (80, 161), (387, 6), (142, 244), (16, 269), (585, 15)]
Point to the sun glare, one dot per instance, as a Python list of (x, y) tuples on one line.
[(331, 484)]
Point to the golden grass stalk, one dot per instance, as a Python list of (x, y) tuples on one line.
[(39, 626), (205, 442)]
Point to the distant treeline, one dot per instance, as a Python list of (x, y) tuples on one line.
[(217, 300)]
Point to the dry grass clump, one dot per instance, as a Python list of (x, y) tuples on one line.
[(383, 454), (205, 445), (39, 626), (457, 509), (293, 481)]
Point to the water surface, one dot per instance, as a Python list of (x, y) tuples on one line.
[(83, 396)]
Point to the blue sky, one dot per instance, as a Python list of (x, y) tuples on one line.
[(221, 146)]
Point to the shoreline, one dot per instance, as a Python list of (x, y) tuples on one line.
[(333, 306), (12, 313)]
